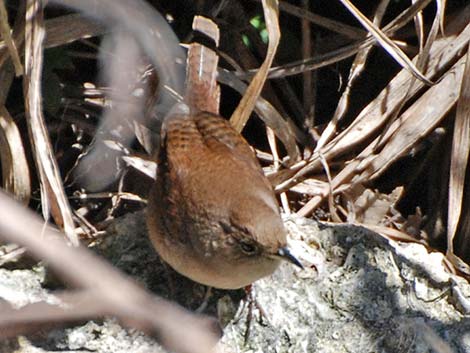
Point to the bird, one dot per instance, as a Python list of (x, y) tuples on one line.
[(212, 214)]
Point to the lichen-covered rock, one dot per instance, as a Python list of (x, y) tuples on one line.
[(371, 296), (365, 294)]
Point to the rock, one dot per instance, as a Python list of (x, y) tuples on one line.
[(364, 294)]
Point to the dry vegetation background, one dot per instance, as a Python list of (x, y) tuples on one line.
[(364, 119)]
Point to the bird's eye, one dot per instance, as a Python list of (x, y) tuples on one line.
[(248, 248)]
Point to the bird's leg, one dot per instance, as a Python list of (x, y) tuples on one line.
[(252, 304), (205, 300)]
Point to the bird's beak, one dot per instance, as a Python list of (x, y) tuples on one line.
[(285, 254)]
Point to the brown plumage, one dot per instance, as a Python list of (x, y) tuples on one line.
[(212, 214)]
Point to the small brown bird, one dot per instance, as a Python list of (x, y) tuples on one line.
[(212, 214)]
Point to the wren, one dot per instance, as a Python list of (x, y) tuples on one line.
[(212, 214)]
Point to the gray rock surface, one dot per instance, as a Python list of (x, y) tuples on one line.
[(364, 295), (370, 296)]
